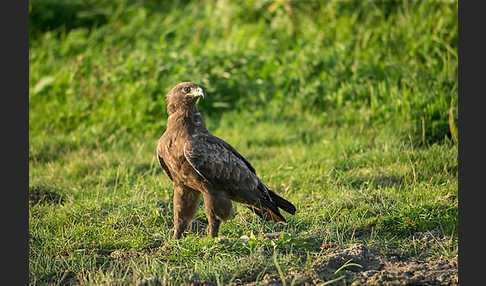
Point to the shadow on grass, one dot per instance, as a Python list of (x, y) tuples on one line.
[(47, 15), (44, 195)]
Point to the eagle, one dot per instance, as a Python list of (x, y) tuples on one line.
[(199, 163)]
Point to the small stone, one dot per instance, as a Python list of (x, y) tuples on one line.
[(369, 273), (271, 235), (116, 254)]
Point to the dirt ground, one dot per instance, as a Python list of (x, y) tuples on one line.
[(376, 269)]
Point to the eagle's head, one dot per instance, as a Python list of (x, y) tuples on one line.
[(183, 96)]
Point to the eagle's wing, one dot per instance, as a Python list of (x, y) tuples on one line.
[(219, 164), (162, 163), (233, 150)]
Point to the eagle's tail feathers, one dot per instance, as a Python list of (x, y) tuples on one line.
[(282, 203), (269, 204)]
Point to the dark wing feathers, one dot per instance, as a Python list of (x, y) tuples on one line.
[(218, 164), (233, 150), (282, 203), (221, 165), (162, 163), (164, 167)]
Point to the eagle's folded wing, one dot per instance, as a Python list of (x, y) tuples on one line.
[(162, 162), (221, 167), (218, 164), (233, 150)]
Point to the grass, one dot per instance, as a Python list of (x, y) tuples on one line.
[(346, 108)]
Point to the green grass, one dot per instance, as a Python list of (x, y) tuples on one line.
[(343, 107)]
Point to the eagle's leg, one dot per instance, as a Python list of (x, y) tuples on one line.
[(218, 208), (186, 201)]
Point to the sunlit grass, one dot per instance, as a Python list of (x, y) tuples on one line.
[(345, 108)]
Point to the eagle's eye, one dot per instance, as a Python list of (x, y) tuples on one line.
[(187, 89)]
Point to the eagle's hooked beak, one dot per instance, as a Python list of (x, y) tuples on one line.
[(198, 92)]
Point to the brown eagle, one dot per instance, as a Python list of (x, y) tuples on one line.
[(198, 162)]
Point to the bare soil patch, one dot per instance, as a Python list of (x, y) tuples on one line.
[(377, 269)]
